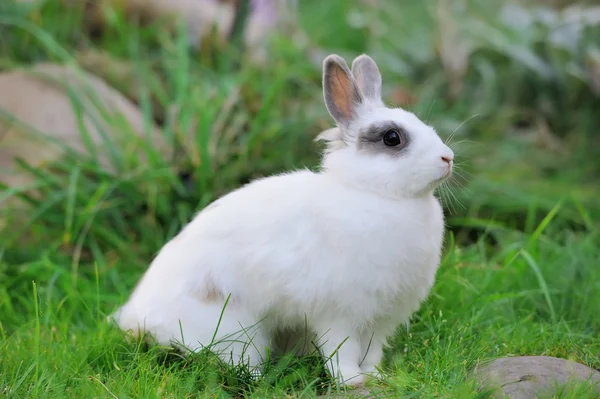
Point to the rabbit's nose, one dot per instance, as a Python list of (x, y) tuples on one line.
[(447, 158), (447, 155)]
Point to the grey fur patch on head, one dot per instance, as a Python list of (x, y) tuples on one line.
[(370, 139), (341, 93), (367, 77)]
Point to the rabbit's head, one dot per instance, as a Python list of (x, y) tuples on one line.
[(387, 150)]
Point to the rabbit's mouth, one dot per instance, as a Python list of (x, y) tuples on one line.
[(438, 182), (448, 170), (448, 173), (444, 177)]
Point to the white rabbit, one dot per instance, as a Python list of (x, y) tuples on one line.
[(346, 254)]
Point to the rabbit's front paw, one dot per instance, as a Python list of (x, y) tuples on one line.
[(372, 373), (351, 375)]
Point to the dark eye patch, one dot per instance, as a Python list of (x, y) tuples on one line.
[(376, 138)]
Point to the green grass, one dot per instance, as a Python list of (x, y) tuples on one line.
[(520, 271)]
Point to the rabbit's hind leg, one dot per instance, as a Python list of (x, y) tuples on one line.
[(192, 324), (228, 331)]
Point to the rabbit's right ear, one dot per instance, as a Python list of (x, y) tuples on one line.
[(342, 95), (368, 77)]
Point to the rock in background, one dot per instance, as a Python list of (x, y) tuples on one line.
[(49, 108), (257, 19), (39, 115), (531, 377)]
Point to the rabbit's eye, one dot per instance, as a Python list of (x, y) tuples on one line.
[(392, 138)]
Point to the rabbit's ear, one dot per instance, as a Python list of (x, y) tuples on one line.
[(368, 77), (342, 95)]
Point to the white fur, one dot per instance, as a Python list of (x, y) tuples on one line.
[(347, 253)]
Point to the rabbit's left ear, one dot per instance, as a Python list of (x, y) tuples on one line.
[(342, 95), (367, 76)]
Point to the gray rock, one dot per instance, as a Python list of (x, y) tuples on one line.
[(531, 377)]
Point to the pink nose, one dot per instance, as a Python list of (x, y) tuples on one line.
[(447, 159)]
